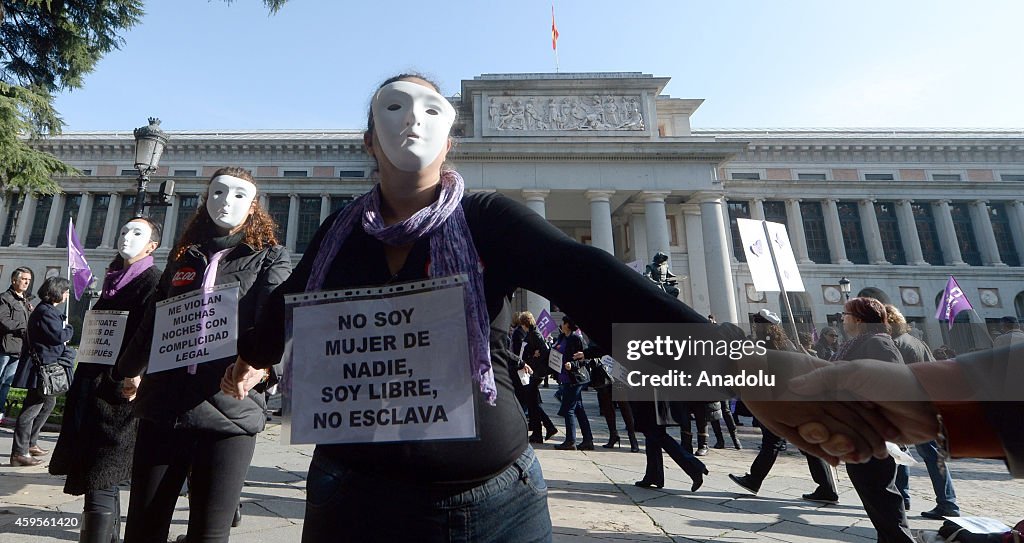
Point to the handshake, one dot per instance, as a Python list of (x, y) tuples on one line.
[(845, 411)]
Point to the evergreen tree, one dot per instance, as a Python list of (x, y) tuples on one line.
[(47, 47)]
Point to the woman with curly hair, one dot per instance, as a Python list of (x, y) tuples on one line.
[(188, 427)]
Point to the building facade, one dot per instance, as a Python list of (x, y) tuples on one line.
[(614, 163)]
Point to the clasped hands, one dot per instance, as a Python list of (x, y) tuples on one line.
[(843, 411), (239, 378)]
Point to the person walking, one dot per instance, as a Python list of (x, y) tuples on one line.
[(15, 307), (45, 339), (657, 439), (571, 381), (535, 354), (913, 351)]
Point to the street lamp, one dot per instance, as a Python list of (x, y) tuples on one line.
[(149, 145), (844, 287)]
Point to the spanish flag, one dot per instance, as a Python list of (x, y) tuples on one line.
[(554, 30)]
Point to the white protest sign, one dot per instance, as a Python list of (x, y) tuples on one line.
[(196, 327), (759, 256), (555, 360), (382, 364), (784, 257), (615, 370), (102, 335)]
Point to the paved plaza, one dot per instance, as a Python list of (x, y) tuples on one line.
[(592, 496)]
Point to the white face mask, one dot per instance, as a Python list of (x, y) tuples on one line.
[(135, 236), (229, 200), (412, 123)]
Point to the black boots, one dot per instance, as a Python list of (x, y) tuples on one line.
[(702, 445), (735, 440), (98, 527), (719, 439), (633, 445)]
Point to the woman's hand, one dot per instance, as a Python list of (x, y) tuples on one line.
[(568, 366), (130, 387), (528, 369), (578, 356), (239, 378)]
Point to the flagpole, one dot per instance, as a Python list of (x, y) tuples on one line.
[(71, 226)]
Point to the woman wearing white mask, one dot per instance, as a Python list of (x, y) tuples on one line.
[(187, 426), (414, 224), (97, 435)]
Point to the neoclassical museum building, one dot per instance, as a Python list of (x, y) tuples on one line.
[(614, 163)]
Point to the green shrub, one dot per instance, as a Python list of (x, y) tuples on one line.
[(16, 398)]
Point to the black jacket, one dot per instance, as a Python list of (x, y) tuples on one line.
[(48, 335), (186, 401), (97, 436), (14, 311), (873, 346)]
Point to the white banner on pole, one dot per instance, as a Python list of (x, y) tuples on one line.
[(379, 365), (196, 327), (759, 257), (102, 335)]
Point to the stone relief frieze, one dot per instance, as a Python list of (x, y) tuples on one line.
[(566, 113)]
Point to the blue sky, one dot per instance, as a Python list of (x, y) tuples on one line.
[(201, 64)]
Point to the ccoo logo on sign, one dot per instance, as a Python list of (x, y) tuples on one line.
[(183, 277)]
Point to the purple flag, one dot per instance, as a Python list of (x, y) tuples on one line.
[(545, 323), (953, 302), (81, 274)]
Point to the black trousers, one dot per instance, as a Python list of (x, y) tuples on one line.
[(164, 456), (536, 417), (700, 419), (875, 483), (821, 473), (34, 412), (607, 408)]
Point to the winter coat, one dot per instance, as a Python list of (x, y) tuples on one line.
[(48, 336), (194, 401), (913, 349), (14, 311), (97, 437)]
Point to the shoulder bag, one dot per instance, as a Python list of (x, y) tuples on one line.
[(52, 379)]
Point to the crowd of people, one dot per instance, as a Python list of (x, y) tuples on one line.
[(195, 425)]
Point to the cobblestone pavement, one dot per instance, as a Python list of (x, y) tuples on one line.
[(592, 496)]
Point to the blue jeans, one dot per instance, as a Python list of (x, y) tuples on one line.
[(572, 410), (942, 483), (343, 504), (8, 367)]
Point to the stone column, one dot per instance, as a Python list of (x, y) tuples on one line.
[(908, 233), (53, 221), (293, 221), (325, 206), (110, 228), (982, 222), (1015, 216), (264, 202), (795, 224), (535, 303), (601, 220), (834, 232), (757, 209), (728, 234), (25, 218), (656, 223), (947, 234), (721, 292), (5, 200), (170, 223), (84, 214), (698, 280), (872, 235), (535, 200)]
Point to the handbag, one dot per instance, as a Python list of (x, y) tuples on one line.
[(599, 377), (52, 379), (580, 373)]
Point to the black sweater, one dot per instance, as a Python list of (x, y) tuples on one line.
[(518, 249)]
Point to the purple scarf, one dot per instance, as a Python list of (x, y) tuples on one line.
[(118, 279), (451, 252)]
